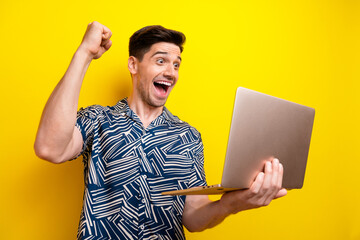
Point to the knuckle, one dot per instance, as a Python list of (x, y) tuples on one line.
[(273, 188), (254, 191), (266, 187)]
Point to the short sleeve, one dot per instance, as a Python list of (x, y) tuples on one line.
[(197, 172), (85, 123)]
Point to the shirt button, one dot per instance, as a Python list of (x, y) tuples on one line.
[(143, 200), (142, 227)]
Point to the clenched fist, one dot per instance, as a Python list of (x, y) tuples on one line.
[(96, 40)]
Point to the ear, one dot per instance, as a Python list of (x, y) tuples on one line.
[(132, 65)]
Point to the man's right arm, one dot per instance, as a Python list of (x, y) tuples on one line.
[(58, 140)]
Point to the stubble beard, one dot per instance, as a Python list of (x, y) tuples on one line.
[(146, 97)]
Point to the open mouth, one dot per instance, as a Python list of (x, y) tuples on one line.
[(162, 87)]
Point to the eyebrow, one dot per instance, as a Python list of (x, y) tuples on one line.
[(159, 52)]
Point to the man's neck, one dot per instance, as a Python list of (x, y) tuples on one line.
[(144, 111)]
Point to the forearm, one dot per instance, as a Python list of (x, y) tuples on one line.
[(203, 213), (59, 115)]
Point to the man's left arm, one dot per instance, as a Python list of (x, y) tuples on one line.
[(201, 213)]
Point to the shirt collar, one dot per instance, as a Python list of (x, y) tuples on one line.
[(123, 108)]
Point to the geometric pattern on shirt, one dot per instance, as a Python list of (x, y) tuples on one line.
[(126, 167)]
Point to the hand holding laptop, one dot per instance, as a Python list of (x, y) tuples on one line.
[(201, 213), (265, 188)]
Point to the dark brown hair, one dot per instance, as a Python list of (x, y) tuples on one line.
[(142, 40)]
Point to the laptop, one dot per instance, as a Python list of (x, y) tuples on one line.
[(262, 126)]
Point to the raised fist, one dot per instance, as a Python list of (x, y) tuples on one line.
[(96, 40)]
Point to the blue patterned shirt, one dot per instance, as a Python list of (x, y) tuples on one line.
[(126, 167)]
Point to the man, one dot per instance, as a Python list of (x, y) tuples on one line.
[(137, 149)]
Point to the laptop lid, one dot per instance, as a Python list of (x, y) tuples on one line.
[(263, 126)]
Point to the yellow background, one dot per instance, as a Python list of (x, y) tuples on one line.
[(303, 51)]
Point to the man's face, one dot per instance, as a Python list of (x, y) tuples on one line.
[(157, 73)]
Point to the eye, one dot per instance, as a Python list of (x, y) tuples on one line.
[(160, 60), (176, 65)]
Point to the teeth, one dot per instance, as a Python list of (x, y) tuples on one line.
[(164, 83)]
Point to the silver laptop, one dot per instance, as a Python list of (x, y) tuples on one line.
[(263, 126)]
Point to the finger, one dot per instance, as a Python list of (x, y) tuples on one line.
[(267, 188), (104, 42), (275, 170), (280, 176), (282, 192), (268, 178), (108, 45), (256, 185), (274, 185), (106, 33)]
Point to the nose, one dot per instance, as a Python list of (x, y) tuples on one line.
[(170, 73)]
